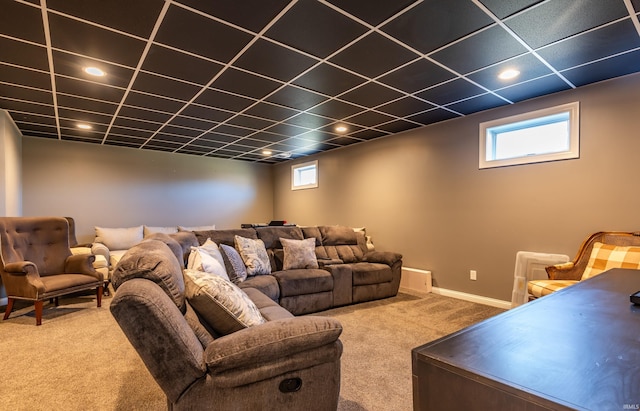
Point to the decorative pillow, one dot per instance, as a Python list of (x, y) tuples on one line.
[(164, 230), (197, 228), (224, 306), (254, 255), (119, 238), (236, 269), (208, 258), (299, 253), (607, 256)]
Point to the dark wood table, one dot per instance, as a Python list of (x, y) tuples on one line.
[(578, 348)]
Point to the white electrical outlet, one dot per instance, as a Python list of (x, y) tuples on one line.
[(473, 275)]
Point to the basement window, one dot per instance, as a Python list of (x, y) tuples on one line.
[(304, 175), (543, 135)]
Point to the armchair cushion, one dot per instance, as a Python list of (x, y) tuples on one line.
[(607, 256), (119, 238), (224, 306), (540, 288)]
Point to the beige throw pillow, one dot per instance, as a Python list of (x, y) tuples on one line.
[(254, 254), (299, 253), (119, 238)]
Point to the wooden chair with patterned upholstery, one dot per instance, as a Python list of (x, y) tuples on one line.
[(37, 263), (600, 252)]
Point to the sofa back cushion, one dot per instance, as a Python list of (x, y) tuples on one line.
[(339, 242), (271, 236), (119, 238), (152, 260), (225, 236)]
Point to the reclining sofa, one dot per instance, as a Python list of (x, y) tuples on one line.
[(284, 362), (348, 272)]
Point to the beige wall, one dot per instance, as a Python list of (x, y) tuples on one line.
[(421, 192), (121, 187), (10, 167)]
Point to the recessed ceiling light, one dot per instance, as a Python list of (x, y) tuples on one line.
[(267, 152), (94, 71), (84, 126), (341, 129), (508, 74)]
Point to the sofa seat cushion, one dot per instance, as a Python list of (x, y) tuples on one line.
[(269, 309), (266, 284), (540, 288), (115, 256), (370, 273), (303, 281)]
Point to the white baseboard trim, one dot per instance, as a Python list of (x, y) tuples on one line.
[(472, 297)]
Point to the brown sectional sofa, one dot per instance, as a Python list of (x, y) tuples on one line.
[(348, 272)]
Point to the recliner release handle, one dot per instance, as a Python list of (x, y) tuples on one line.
[(290, 385)]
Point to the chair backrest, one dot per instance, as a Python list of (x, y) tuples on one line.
[(621, 238), (43, 241)]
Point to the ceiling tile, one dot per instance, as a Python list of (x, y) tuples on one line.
[(250, 14), (504, 9), (80, 103), (296, 98), (250, 122), (287, 129), (212, 145), (70, 65), (236, 131), (144, 100), (534, 88), (206, 113), (182, 140), (306, 25), (476, 104), (602, 70), (271, 111), (371, 95), (92, 41), (373, 55), (368, 134), (22, 21), (593, 45), (26, 94), (417, 76), (449, 92), (83, 116), (336, 109), (133, 112), (240, 82), (433, 116), (31, 78), (34, 119), (373, 12), (370, 119), (344, 141), (268, 137), (328, 79), (192, 32), (220, 99), (274, 61), (482, 49), (166, 87), (405, 106), (313, 136), (89, 89), (135, 17), (193, 123), (162, 60), (434, 23), (26, 110), (563, 18), (223, 138), (397, 126), (181, 131), (24, 54), (309, 120), (137, 124)]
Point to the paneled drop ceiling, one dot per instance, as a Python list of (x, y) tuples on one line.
[(264, 81)]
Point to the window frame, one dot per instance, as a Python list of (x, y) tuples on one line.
[(297, 168), (573, 109)]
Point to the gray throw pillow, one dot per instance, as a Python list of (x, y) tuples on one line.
[(254, 254), (299, 253), (233, 263)]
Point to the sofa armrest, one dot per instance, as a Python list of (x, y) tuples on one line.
[(383, 257), (270, 342), (21, 267), (329, 261), (101, 249)]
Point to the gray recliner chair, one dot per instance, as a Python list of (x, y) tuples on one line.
[(285, 363)]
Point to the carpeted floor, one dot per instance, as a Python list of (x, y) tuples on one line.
[(80, 360)]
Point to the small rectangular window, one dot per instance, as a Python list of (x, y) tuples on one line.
[(543, 135), (304, 175)]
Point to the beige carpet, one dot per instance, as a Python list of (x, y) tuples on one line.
[(80, 360)]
